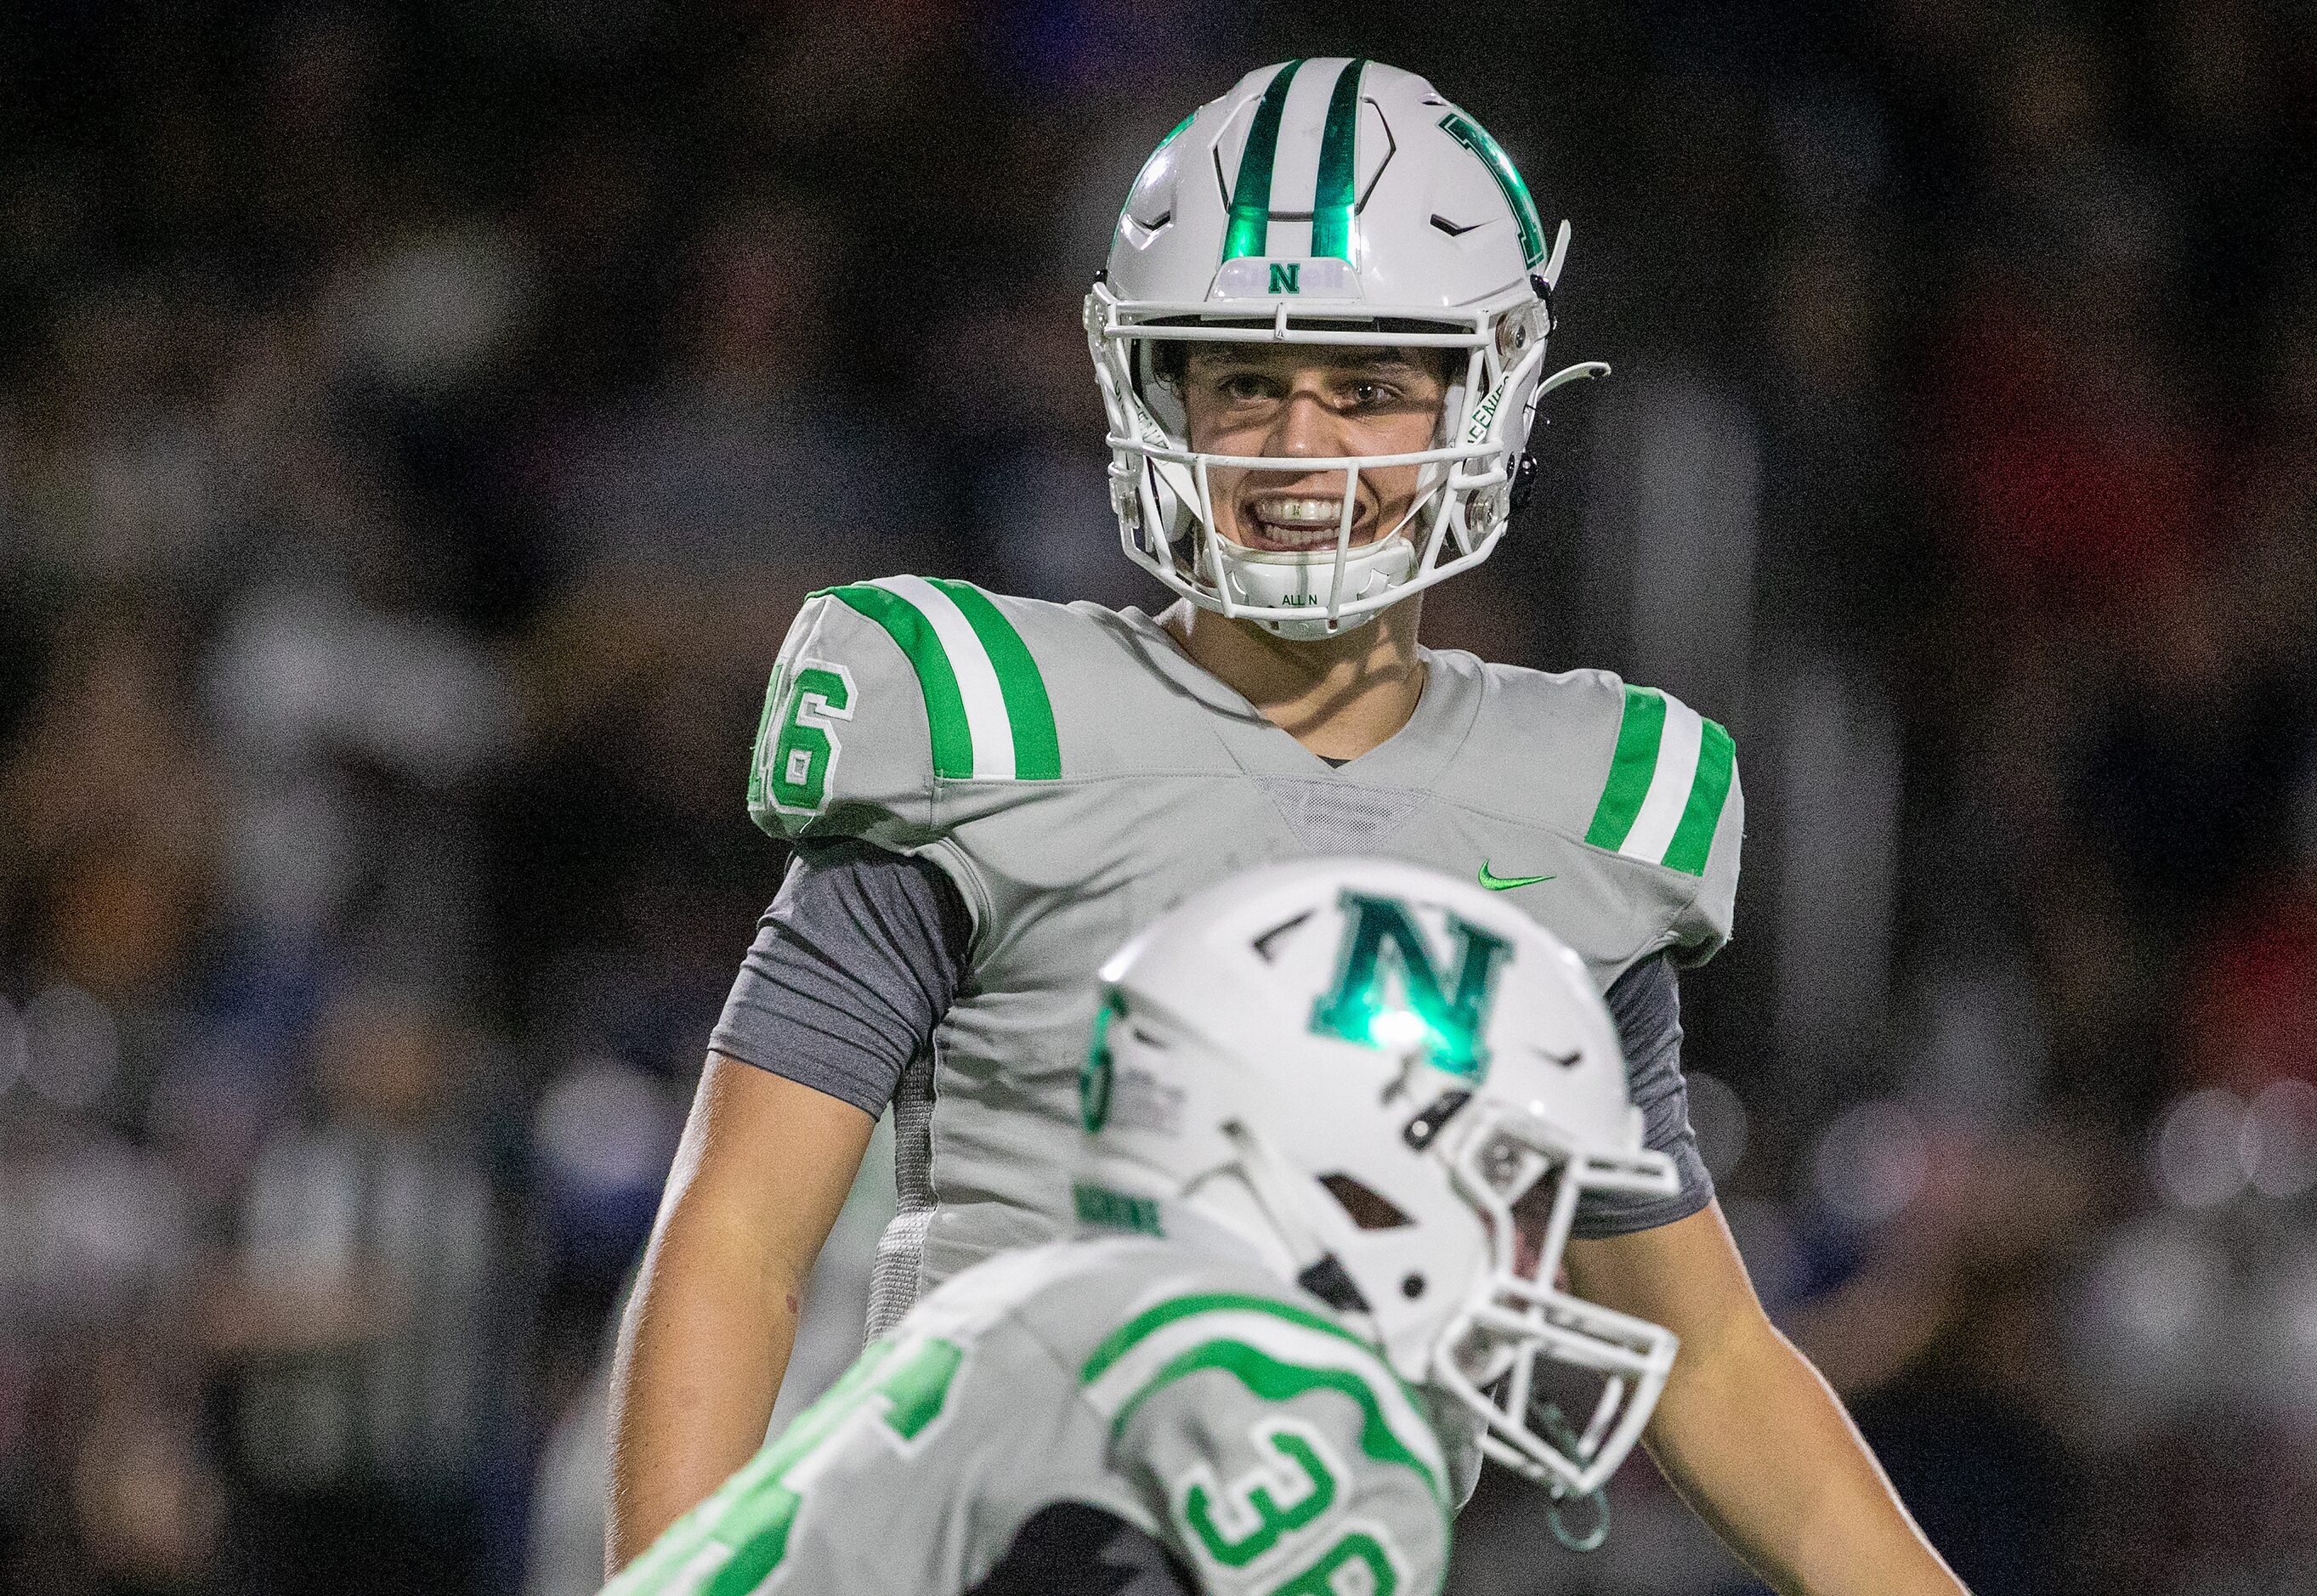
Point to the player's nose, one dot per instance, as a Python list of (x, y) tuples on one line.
[(1305, 427)]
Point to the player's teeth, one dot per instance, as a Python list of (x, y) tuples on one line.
[(1303, 511)]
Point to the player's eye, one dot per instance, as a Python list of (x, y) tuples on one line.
[(1242, 387), (1370, 394)]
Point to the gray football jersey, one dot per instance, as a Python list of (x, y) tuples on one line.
[(1197, 1398), (1076, 774)]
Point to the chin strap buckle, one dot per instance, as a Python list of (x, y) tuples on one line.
[(1523, 480), (1594, 1521)]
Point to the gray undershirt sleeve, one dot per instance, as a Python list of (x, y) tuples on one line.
[(853, 965), (1646, 1003)]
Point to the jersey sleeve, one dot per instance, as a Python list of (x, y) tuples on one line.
[(1273, 1451), (1670, 801), (845, 745)]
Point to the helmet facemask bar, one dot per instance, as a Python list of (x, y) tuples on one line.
[(1521, 1326), (1168, 524)]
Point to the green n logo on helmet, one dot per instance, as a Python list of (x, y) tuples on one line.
[(1387, 993), (1286, 277)]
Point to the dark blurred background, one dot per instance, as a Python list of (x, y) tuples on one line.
[(418, 425)]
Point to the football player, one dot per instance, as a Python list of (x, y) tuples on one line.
[(1339, 1117), (1320, 339)]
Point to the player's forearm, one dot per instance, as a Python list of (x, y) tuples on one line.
[(1759, 1445), (700, 1363)]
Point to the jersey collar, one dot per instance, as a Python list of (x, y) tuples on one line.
[(1413, 757)]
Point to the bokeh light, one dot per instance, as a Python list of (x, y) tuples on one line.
[(1872, 1161), (2198, 1151), (2278, 1144)]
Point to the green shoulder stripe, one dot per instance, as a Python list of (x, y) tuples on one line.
[(952, 743), (1037, 752), (1717, 759), (1279, 1352), (987, 709), (1139, 1328), (1668, 779), (1639, 732)]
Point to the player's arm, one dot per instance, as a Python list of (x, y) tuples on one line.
[(763, 1167), (855, 964), (1754, 1440)]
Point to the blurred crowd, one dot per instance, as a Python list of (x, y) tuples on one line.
[(418, 424)]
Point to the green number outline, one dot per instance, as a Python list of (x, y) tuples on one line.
[(1296, 1483), (1366, 1543)]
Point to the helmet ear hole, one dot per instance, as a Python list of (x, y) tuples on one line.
[(1369, 1208)]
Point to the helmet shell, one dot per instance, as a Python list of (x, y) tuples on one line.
[(1327, 1013), (1408, 166), (1333, 200)]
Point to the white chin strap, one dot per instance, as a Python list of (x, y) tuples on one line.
[(1268, 579)]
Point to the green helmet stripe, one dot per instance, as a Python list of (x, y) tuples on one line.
[(1331, 204), (1250, 211), (1473, 136)]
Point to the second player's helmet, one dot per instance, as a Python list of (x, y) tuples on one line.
[(1396, 1087), (1326, 202)]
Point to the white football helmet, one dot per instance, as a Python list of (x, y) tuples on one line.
[(1326, 202), (1396, 1087)]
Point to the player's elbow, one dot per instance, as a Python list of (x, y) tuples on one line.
[(763, 1166), (1728, 1359), (707, 1239)]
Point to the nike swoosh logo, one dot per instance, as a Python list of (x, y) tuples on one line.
[(1496, 883)]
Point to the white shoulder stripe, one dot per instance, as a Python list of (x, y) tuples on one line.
[(985, 719), (1669, 784)]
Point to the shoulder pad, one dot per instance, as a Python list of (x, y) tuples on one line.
[(883, 688)]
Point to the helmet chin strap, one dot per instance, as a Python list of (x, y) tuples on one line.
[(1378, 557)]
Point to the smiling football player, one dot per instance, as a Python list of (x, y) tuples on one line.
[(1321, 341)]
